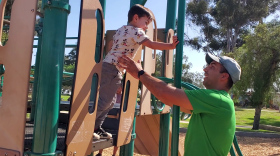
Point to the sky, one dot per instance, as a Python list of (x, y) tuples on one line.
[(116, 16)]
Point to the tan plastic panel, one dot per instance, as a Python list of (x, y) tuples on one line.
[(126, 118), (149, 67), (169, 55), (147, 140), (81, 123), (168, 63), (16, 56)]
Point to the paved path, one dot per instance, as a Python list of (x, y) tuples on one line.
[(266, 110), (236, 125), (247, 134), (241, 133)]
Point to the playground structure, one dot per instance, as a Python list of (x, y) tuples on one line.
[(144, 130)]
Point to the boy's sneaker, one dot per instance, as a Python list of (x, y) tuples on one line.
[(96, 136), (102, 133)]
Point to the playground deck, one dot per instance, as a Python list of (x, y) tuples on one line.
[(61, 133)]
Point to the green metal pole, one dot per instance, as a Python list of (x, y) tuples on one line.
[(36, 73), (127, 150), (178, 74), (103, 4), (165, 118), (133, 2), (1, 84), (50, 71)]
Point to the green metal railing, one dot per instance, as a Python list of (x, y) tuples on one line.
[(178, 75), (50, 78), (232, 153)]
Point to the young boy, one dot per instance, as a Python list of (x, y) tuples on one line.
[(126, 41)]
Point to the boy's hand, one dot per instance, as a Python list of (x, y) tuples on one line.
[(175, 42)]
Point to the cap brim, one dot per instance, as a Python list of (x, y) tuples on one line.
[(209, 58)]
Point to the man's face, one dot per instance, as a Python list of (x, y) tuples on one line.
[(212, 75)]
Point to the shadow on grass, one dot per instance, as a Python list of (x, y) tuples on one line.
[(239, 109), (266, 121)]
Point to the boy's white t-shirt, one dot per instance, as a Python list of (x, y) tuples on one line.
[(126, 41)]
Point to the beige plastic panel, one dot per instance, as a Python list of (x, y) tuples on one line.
[(16, 56), (147, 140), (81, 123), (149, 67), (126, 118), (168, 63)]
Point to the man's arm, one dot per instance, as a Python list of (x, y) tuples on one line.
[(165, 93), (161, 45)]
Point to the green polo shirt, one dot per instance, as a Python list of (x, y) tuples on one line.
[(212, 125)]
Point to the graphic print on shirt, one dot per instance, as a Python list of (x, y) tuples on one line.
[(126, 41)]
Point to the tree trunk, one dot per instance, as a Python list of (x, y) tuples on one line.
[(257, 117), (228, 40), (236, 31)]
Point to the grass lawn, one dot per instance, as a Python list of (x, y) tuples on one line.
[(184, 125), (64, 97), (245, 117)]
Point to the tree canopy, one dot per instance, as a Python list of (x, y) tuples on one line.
[(221, 22), (259, 59), (196, 78)]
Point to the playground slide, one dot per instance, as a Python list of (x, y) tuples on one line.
[(147, 136)]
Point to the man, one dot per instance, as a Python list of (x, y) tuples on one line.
[(212, 125)]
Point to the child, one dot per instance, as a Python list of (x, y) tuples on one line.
[(126, 41), (118, 101)]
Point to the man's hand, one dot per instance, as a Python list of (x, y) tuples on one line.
[(131, 66), (175, 42)]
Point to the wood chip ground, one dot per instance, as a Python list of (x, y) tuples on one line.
[(250, 146)]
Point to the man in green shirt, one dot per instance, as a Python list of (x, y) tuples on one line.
[(212, 125)]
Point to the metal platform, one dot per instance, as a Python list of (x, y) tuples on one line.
[(61, 146)]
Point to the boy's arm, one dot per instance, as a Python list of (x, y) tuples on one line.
[(161, 45)]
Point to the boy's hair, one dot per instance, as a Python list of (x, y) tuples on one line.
[(140, 11)]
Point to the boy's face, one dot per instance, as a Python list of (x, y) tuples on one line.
[(142, 22)]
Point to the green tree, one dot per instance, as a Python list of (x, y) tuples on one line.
[(69, 65), (223, 21), (71, 57), (259, 59), (71, 69), (196, 78)]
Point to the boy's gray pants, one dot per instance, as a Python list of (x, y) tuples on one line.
[(110, 81)]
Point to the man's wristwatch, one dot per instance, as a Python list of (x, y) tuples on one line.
[(141, 72)]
